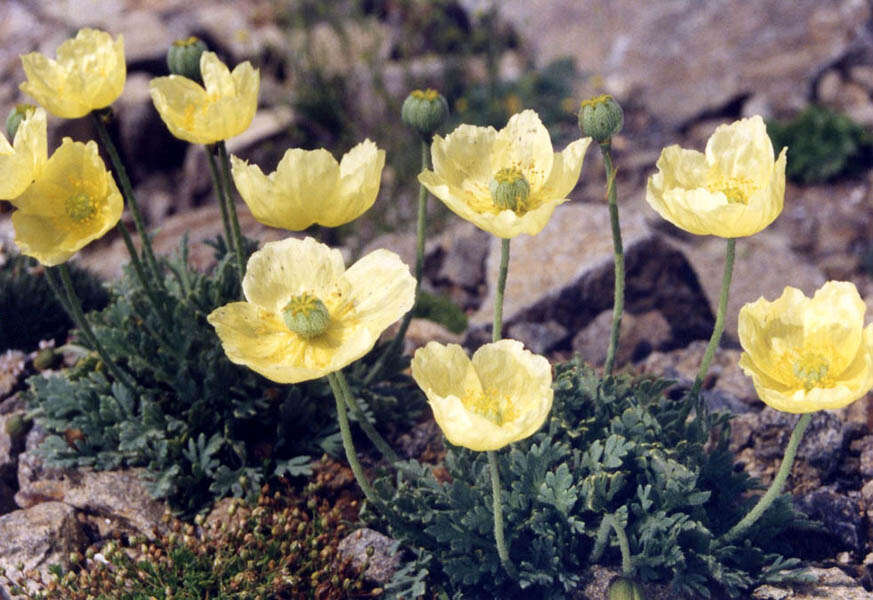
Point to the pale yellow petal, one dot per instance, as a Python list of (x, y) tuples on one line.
[(38, 237), (768, 330), (177, 99), (834, 320), (290, 267), (382, 289), (271, 204), (566, 167), (360, 173), (23, 161), (88, 74), (464, 158), (742, 149), (444, 370), (468, 429), (525, 143)]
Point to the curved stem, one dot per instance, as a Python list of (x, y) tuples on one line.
[(694, 394), (348, 443), (421, 229), (369, 430), (627, 567), (222, 201), (497, 506), (776, 487), (231, 209), (618, 255), (75, 306), (600, 540), (127, 190), (497, 328)]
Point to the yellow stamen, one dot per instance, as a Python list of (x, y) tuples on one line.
[(80, 208)]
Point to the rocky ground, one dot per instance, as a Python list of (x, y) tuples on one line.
[(679, 68)]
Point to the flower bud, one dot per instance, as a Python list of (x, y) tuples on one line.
[(623, 588), (601, 118), (16, 116), (425, 111), (183, 58)]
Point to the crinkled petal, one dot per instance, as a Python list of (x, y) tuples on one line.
[(271, 203), (834, 319), (566, 167), (311, 178), (382, 289), (464, 159), (742, 149), (287, 268), (525, 143), (771, 329), (23, 161), (360, 174)]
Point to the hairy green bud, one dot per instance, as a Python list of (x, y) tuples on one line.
[(306, 315), (623, 588), (509, 189), (183, 58), (601, 118), (425, 111), (16, 116)]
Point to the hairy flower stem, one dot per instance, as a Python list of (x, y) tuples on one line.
[(421, 229), (78, 317), (369, 430), (346, 433), (222, 201), (239, 247), (497, 328), (694, 394), (127, 190), (502, 551), (141, 275), (608, 522), (776, 487), (600, 540), (618, 253), (496, 333)]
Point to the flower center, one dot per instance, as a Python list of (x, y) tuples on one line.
[(492, 405), (810, 369), (429, 94), (306, 315), (510, 190), (80, 207), (738, 190)]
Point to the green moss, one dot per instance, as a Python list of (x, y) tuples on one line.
[(822, 145), (441, 310)]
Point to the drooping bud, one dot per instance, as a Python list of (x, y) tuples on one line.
[(509, 189), (183, 58), (601, 118), (623, 588), (16, 116), (306, 315), (425, 111)]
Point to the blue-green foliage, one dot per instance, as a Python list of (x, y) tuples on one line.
[(202, 426), (614, 446)]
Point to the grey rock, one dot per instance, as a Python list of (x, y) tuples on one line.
[(539, 338), (466, 247), (763, 266), (865, 453), (11, 369), (842, 518), (716, 52), (38, 537), (117, 501), (823, 446), (366, 547), (638, 336), (565, 274), (426, 434), (829, 583)]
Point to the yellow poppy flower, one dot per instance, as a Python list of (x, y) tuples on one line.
[(89, 73), (306, 315), (72, 202), (223, 109), (808, 354), (311, 187), (734, 189), (503, 395), (23, 160), (506, 182)]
